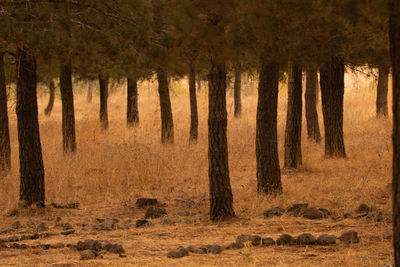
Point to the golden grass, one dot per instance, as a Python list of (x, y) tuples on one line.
[(113, 168)]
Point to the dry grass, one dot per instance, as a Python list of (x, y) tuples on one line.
[(111, 169)]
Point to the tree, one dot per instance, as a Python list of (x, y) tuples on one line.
[(382, 92), (68, 114), (167, 123), (132, 116), (30, 149), (268, 169), (5, 147), (293, 156), (50, 105), (89, 95), (103, 82), (394, 34), (311, 97), (237, 87), (194, 120), (332, 94)]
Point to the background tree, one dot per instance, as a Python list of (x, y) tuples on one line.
[(311, 99), (50, 104), (5, 147)]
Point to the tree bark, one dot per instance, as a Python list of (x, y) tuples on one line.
[(382, 92), (194, 121), (50, 105), (268, 169), (394, 35), (167, 123), (332, 94), (30, 150), (5, 147), (221, 198), (198, 84), (132, 118), (103, 81), (89, 95), (293, 157), (68, 115), (311, 105), (237, 91)]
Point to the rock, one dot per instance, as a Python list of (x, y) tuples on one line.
[(234, 245), (45, 246), (72, 246), (325, 212), (348, 216), (58, 246), (114, 248), (67, 226), (324, 240), (363, 208), (193, 249), (214, 249), (268, 241), (107, 224), (72, 205), (29, 237), (306, 239), (145, 202), (255, 240), (312, 213), (387, 234), (89, 244), (13, 239), (142, 223), (18, 246), (272, 212), (41, 227), (349, 237), (47, 234), (296, 208), (68, 232), (88, 254), (155, 212), (178, 253), (286, 239)]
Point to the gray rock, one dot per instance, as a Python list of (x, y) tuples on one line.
[(88, 254), (312, 213), (349, 237), (68, 232), (272, 212), (114, 248), (29, 237), (268, 241), (67, 226), (214, 249), (306, 239), (234, 245), (142, 223), (196, 250), (296, 208), (107, 224), (324, 240), (13, 239), (58, 246), (155, 212), (286, 239), (255, 240), (89, 244), (178, 253), (146, 202), (363, 208)]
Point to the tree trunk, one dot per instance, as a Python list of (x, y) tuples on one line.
[(268, 169), (293, 157), (50, 105), (394, 34), (194, 121), (221, 199), (103, 81), (382, 92), (237, 90), (68, 115), (198, 84), (5, 147), (132, 118), (311, 105), (89, 95), (167, 123), (332, 94), (30, 150)]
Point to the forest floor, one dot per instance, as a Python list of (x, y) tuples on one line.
[(112, 169)]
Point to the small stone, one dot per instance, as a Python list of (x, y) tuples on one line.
[(29, 237), (89, 244), (196, 250), (296, 208), (349, 237), (312, 213), (88, 254), (178, 253), (214, 249), (277, 211), (255, 240), (363, 208), (72, 205), (114, 248), (47, 234), (68, 232), (306, 239), (286, 239), (107, 224), (67, 226), (268, 241), (13, 239), (145, 202), (348, 216), (142, 223), (155, 212), (324, 240)]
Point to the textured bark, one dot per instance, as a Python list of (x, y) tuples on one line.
[(68, 114), (382, 92), (30, 150), (5, 148), (311, 105), (132, 116), (268, 169), (221, 198), (89, 95), (332, 94), (167, 123), (198, 84), (237, 88), (103, 81), (293, 157), (50, 105), (394, 34), (194, 120)]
